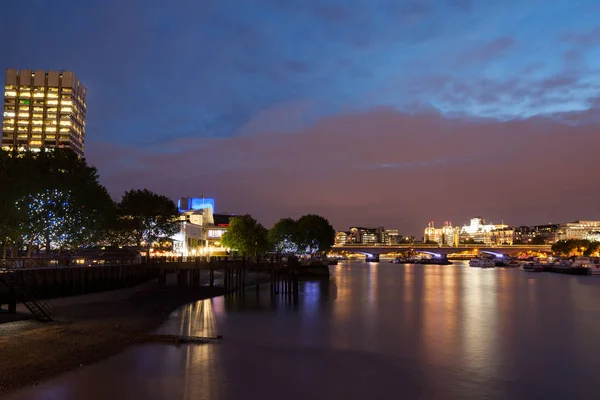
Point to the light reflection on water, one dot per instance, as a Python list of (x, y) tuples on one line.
[(374, 330)]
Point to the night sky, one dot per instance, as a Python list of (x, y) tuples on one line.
[(368, 112)]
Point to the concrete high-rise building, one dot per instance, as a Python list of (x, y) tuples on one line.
[(43, 109)]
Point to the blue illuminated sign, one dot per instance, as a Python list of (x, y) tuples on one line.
[(195, 203)]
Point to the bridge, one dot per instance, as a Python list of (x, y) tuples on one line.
[(436, 250)]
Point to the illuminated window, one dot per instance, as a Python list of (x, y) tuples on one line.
[(66, 102), (37, 115), (10, 93), (38, 109), (8, 127), (24, 101), (23, 122), (36, 142), (22, 129), (24, 94), (39, 95), (65, 123), (66, 110), (52, 102), (10, 108), (67, 90), (38, 102), (22, 136), (9, 121), (53, 89), (52, 109), (23, 115), (9, 87), (36, 129), (37, 122), (50, 129), (65, 130), (50, 122), (9, 113), (52, 96)]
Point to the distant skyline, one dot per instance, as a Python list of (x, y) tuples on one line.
[(390, 113)]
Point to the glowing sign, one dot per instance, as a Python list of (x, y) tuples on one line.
[(195, 203)]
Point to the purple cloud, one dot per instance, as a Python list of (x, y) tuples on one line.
[(273, 175)]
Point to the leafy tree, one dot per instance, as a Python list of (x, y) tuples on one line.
[(571, 247), (315, 234), (146, 217), (593, 248), (245, 235), (11, 219), (538, 240), (55, 199), (283, 236)]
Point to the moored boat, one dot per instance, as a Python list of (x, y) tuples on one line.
[(482, 263)]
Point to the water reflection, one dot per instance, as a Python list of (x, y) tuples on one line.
[(375, 330)]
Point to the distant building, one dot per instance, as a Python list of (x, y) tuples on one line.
[(446, 235), (366, 235), (341, 238), (477, 231), (43, 110), (549, 233), (579, 230), (200, 229), (391, 236)]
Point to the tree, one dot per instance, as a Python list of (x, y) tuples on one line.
[(246, 236), (147, 217), (11, 219), (283, 236), (55, 199), (538, 240), (315, 234), (571, 247), (593, 248)]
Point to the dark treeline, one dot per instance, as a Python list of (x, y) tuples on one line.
[(309, 235)]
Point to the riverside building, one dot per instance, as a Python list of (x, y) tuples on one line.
[(43, 109)]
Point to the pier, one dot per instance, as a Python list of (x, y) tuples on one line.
[(32, 284)]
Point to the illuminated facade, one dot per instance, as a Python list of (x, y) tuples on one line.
[(200, 229), (579, 229), (446, 235), (43, 110)]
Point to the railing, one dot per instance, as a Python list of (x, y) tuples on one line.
[(80, 261)]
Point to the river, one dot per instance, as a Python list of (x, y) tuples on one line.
[(377, 330)]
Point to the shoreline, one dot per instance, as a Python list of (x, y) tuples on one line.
[(87, 333)]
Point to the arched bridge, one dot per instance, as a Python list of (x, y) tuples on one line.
[(380, 249)]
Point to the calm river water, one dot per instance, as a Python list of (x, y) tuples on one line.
[(374, 331)]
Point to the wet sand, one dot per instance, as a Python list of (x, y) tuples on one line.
[(89, 328)]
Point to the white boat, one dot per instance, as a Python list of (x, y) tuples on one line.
[(482, 263), (586, 262)]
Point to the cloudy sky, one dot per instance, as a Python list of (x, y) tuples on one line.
[(369, 112)]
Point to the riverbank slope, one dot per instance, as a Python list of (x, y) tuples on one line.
[(87, 332)]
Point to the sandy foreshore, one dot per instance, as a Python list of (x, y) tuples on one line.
[(87, 332)]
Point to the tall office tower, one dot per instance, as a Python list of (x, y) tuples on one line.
[(43, 110)]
